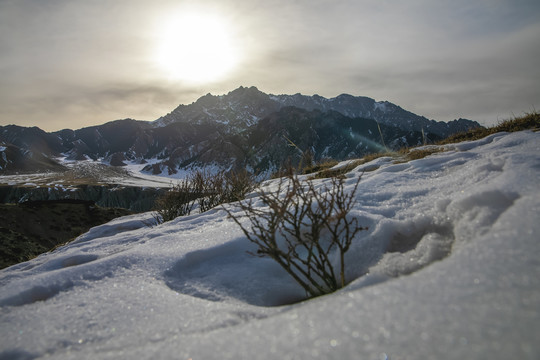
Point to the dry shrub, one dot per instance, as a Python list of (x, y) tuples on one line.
[(301, 227), (204, 188)]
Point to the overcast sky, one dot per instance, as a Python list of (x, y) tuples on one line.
[(76, 63)]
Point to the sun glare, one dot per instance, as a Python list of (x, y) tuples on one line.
[(196, 48)]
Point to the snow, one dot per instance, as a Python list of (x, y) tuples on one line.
[(449, 269), (133, 175), (139, 178), (380, 105)]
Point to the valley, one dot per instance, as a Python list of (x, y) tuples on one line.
[(97, 173)]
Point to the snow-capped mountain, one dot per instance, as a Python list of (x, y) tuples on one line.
[(238, 110), (245, 106), (245, 128)]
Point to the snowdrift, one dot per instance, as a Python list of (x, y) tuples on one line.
[(449, 269)]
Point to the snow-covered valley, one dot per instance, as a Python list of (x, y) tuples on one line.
[(449, 268), (89, 172)]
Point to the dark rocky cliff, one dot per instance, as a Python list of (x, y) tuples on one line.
[(136, 199)]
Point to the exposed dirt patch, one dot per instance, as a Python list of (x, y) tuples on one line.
[(32, 228)]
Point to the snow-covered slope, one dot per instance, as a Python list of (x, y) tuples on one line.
[(449, 269)]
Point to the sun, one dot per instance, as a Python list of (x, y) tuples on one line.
[(196, 48)]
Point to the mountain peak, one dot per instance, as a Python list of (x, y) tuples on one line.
[(244, 128)]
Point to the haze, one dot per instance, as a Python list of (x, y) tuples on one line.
[(70, 64)]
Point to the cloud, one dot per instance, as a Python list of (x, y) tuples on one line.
[(75, 63), (80, 107)]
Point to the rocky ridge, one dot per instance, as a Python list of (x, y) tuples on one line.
[(245, 128)]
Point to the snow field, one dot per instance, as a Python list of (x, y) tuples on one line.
[(448, 269)]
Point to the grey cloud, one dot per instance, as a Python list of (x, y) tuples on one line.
[(88, 61), (78, 107)]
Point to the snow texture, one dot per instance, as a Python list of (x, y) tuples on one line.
[(129, 175), (449, 269)]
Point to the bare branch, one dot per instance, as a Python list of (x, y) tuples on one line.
[(301, 227)]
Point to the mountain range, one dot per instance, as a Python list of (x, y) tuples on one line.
[(245, 128)]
